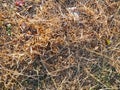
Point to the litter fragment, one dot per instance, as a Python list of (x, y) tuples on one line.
[(19, 2)]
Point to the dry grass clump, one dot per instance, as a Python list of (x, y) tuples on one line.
[(60, 45)]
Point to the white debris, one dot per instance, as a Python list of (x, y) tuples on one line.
[(73, 13)]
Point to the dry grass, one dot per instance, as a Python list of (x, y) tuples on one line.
[(60, 45)]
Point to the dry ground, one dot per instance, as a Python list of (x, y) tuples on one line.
[(60, 45)]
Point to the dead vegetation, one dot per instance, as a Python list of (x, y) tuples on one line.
[(60, 45)]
